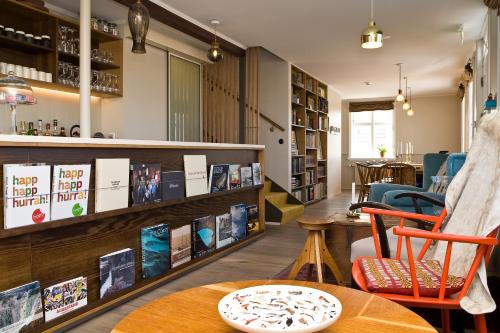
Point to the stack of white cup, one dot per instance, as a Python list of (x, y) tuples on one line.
[(25, 72)]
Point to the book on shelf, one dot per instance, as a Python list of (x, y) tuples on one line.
[(295, 150), (180, 243), (155, 246), (297, 194), (146, 183), (195, 169), (239, 221), (203, 236), (294, 117), (310, 177), (320, 149), (117, 271), (70, 191), (218, 180), (27, 194), (223, 230), (21, 308), (172, 186), (65, 297), (321, 171), (246, 176), (234, 176), (111, 183), (256, 174), (311, 139), (297, 165), (310, 160), (252, 219)]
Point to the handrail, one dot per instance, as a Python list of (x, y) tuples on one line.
[(272, 122)]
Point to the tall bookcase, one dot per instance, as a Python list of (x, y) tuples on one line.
[(309, 143)]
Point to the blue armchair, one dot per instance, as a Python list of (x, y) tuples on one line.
[(387, 193)]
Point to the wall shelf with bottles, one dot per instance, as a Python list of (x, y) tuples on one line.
[(309, 107), (53, 60)]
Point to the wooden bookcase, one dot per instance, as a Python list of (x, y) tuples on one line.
[(309, 107), (60, 250), (31, 20)]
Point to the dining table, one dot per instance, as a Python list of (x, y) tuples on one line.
[(195, 310)]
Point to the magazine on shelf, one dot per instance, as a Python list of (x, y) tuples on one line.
[(195, 170), (27, 194), (172, 186), (203, 236), (155, 244), (234, 176), (223, 230), (257, 174), (111, 183), (64, 297), (145, 182), (246, 176), (218, 180), (117, 271), (252, 219), (180, 242), (239, 221), (21, 309), (70, 191)]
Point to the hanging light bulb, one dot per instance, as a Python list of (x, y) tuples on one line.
[(410, 111), (406, 105), (215, 53), (372, 37), (400, 97), (138, 23)]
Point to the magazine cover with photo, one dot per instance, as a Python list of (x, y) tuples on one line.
[(203, 236), (253, 219), (239, 221), (64, 297), (257, 174), (223, 230), (234, 176), (155, 243), (180, 242), (117, 271), (146, 183), (21, 308)]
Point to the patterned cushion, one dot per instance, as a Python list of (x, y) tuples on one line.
[(394, 277)]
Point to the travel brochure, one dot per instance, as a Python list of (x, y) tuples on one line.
[(64, 297)]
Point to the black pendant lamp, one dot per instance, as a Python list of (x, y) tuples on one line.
[(138, 22), (215, 53)]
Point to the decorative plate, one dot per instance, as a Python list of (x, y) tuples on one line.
[(279, 308)]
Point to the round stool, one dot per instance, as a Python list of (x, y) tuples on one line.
[(315, 251)]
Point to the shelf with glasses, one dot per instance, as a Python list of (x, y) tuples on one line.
[(75, 60)]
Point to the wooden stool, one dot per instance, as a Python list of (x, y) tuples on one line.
[(315, 251)]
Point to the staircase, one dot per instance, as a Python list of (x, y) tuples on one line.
[(281, 206)]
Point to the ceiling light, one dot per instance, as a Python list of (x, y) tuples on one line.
[(400, 97), (410, 111), (372, 37), (215, 53), (406, 105), (138, 22)]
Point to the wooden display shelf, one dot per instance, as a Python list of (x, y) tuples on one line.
[(23, 46), (75, 59)]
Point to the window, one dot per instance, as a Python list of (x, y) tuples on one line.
[(369, 130)]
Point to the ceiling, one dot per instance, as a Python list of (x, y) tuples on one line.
[(323, 38)]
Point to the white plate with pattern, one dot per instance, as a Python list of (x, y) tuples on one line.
[(279, 308)]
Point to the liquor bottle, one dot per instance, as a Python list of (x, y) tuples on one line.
[(22, 128), (47, 130), (63, 132), (55, 132), (30, 128), (40, 127)]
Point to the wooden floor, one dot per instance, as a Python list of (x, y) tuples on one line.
[(260, 260)]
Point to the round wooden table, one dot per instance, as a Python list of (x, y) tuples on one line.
[(195, 310)]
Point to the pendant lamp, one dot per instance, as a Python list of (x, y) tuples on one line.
[(406, 105), (372, 37), (410, 111), (138, 22), (400, 97), (14, 91), (215, 53)]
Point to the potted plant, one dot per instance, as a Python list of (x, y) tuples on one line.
[(382, 150)]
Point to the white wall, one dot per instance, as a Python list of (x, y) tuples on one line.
[(334, 143), (274, 97)]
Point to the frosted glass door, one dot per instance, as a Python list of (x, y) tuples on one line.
[(184, 99)]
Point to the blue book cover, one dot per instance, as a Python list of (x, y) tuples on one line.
[(155, 243), (203, 236), (172, 186), (239, 221), (21, 308), (117, 271)]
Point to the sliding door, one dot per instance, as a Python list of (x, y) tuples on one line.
[(184, 92)]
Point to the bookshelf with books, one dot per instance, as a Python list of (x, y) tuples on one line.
[(83, 245), (309, 126)]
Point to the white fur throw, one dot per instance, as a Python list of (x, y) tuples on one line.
[(473, 206)]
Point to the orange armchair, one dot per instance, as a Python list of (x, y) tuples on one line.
[(414, 298)]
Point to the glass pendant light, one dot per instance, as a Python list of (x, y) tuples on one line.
[(138, 22), (215, 53), (400, 97), (372, 37), (410, 111), (14, 91), (406, 105)]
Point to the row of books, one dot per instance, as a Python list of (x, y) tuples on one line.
[(32, 196), (23, 307), (315, 192), (296, 181), (310, 177), (311, 140), (297, 194), (294, 147), (323, 104), (297, 165)]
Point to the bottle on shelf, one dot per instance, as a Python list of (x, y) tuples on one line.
[(22, 128), (63, 131), (30, 128), (55, 131), (40, 127), (47, 130)]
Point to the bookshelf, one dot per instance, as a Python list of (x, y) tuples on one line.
[(309, 128)]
